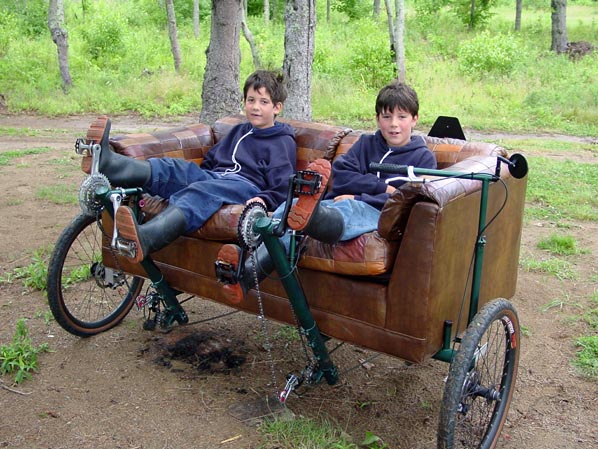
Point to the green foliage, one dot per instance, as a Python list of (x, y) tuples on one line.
[(104, 37), (20, 357), (133, 70), (586, 360), (371, 64), (353, 9), (31, 15), (476, 17), (8, 31), (487, 53)]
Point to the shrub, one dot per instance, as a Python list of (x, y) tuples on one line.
[(489, 54)]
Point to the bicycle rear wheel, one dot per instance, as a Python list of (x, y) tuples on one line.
[(85, 296), (481, 380)]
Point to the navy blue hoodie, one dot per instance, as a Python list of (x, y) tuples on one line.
[(267, 157), (351, 175)]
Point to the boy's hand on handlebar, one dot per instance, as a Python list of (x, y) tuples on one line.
[(344, 197), (254, 199), (390, 189)]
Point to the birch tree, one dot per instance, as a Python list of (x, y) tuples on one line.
[(60, 38), (172, 34), (220, 94), (196, 18), (299, 37), (559, 25), (399, 41)]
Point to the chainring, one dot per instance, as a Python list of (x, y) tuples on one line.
[(88, 200), (247, 236)]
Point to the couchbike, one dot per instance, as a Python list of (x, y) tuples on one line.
[(89, 292)]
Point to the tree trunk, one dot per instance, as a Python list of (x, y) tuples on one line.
[(266, 12), (327, 11), (391, 29), (559, 25), (471, 15), (399, 39), (220, 94), (196, 18), (299, 37), (60, 38), (376, 10), (172, 34), (255, 54), (518, 9)]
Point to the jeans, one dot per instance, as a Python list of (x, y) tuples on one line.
[(358, 217), (197, 192)]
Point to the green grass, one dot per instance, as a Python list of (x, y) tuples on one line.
[(7, 157), (58, 194), (586, 360), (562, 190), (563, 245), (561, 269)]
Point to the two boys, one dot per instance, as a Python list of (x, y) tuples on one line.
[(353, 205)]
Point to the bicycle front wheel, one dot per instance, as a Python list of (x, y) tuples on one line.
[(481, 380), (85, 296)]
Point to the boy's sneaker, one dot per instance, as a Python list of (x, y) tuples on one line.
[(229, 258), (302, 210)]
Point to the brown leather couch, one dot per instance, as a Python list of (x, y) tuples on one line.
[(390, 290)]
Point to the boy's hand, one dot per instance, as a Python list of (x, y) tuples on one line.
[(344, 197), (390, 189), (254, 199)]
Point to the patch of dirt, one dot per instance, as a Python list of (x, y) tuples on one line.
[(130, 388)]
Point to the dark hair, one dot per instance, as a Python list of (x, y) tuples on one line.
[(397, 95), (273, 82)]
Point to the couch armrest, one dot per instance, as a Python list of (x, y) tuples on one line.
[(395, 213)]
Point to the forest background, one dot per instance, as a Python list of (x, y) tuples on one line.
[(491, 77)]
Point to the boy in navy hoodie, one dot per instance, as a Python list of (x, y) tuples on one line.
[(353, 205), (252, 163)]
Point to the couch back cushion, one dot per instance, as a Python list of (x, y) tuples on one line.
[(188, 142), (314, 140)]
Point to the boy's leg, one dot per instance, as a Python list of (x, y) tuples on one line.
[(153, 235), (358, 217), (200, 200)]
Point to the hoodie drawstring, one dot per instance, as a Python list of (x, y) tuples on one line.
[(237, 167)]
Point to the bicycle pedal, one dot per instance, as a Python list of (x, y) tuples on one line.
[(83, 146), (307, 182), (226, 272), (126, 248)]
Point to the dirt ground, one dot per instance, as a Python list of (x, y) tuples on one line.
[(126, 389)]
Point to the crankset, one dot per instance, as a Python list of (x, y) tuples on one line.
[(249, 238)]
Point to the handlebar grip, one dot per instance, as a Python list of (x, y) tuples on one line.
[(389, 168)]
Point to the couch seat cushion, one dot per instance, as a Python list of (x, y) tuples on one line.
[(366, 255)]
